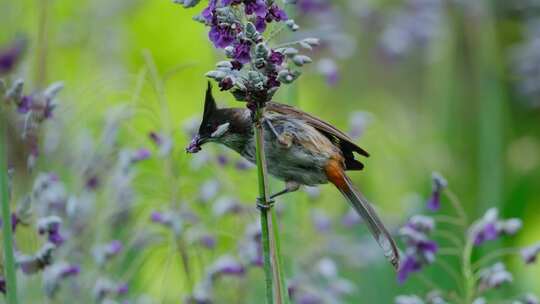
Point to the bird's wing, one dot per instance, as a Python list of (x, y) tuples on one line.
[(345, 142)]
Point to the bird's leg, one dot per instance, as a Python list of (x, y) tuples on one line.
[(290, 186), (285, 138)]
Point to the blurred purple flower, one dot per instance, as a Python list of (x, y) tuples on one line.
[(420, 249), (490, 227), (351, 218), (113, 248), (51, 227), (312, 6), (530, 254), (439, 183), (329, 69), (208, 241), (122, 289), (140, 155), (92, 183), (11, 55), (2, 285), (69, 271), (222, 159), (25, 104), (321, 221), (226, 265), (494, 277)]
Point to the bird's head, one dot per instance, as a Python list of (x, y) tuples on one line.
[(218, 125)]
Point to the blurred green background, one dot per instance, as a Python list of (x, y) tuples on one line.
[(450, 105)]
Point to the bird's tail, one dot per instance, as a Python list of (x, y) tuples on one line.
[(337, 176)]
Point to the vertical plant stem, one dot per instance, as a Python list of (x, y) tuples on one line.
[(269, 229), (9, 260), (468, 275)]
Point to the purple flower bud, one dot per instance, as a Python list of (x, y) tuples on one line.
[(11, 55), (92, 183), (122, 289), (257, 7), (222, 35), (276, 58), (408, 266), (439, 183), (530, 254), (140, 155), (486, 228), (226, 83), (69, 271), (113, 248), (243, 165), (157, 217), (25, 104), (275, 13), (208, 241), (226, 265), (155, 138), (208, 12)]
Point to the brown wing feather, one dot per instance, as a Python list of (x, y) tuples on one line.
[(343, 140)]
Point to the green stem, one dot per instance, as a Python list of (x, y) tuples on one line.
[(9, 260), (269, 229), (468, 275)]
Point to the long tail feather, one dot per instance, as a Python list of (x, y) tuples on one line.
[(366, 211)]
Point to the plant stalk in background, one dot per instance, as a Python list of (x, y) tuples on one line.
[(7, 233)]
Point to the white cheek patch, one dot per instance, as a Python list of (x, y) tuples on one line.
[(220, 130)]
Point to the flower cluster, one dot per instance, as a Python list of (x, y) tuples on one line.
[(477, 278), (490, 227), (254, 71), (420, 249)]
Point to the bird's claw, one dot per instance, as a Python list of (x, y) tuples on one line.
[(264, 205)]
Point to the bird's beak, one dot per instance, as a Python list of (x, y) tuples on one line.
[(195, 144)]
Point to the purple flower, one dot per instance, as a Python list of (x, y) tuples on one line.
[(530, 254), (222, 159), (208, 241), (226, 265), (11, 55), (328, 68), (208, 12), (486, 229), (25, 104), (242, 52), (122, 289), (275, 13), (92, 183), (276, 58), (222, 35), (51, 226), (157, 217), (155, 138), (439, 183), (420, 249), (408, 266), (494, 277), (140, 155), (257, 7), (243, 165), (113, 248), (69, 271), (260, 24)]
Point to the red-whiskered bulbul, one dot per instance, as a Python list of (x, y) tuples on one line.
[(300, 150)]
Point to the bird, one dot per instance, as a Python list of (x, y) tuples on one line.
[(300, 149)]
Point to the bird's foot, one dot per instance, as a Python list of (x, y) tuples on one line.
[(264, 205)]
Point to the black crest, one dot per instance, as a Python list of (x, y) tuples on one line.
[(209, 103)]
